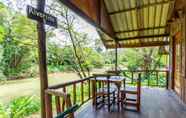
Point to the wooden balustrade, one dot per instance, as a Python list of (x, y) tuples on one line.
[(70, 93), (79, 91), (58, 96), (157, 78)]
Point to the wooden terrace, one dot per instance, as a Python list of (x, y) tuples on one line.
[(156, 103), (124, 24)]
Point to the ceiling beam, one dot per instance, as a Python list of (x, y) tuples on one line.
[(140, 45), (143, 37), (141, 7), (142, 29)]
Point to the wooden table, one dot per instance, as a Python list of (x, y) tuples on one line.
[(117, 80)]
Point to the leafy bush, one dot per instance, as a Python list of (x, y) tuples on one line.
[(15, 59), (55, 68), (20, 108)]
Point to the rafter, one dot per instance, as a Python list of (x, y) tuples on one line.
[(142, 6), (142, 29), (137, 45), (143, 37)]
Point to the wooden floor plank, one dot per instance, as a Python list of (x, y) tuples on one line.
[(155, 103)]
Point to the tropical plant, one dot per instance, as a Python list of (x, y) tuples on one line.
[(20, 108)]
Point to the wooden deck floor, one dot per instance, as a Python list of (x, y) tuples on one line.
[(156, 103)]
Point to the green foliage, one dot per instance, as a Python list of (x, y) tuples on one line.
[(3, 113), (17, 36), (133, 59), (20, 108), (142, 58), (2, 33), (15, 59), (56, 68), (93, 58), (62, 59)]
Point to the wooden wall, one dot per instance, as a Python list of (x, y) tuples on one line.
[(178, 60)]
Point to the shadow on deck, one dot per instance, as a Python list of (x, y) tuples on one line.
[(155, 103)]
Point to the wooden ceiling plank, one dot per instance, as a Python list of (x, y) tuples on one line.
[(143, 6), (155, 17), (161, 13)]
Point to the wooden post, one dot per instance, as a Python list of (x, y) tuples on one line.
[(157, 78), (74, 93), (173, 62), (46, 107), (116, 56), (139, 92), (89, 91), (94, 92), (58, 104), (132, 79), (82, 93), (63, 103), (167, 79)]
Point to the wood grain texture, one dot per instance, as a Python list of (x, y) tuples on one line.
[(155, 103)]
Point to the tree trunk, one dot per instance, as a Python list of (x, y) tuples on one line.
[(75, 52)]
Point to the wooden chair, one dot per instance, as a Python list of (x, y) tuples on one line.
[(104, 93), (136, 92)]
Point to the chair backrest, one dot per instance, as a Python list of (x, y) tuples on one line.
[(101, 84)]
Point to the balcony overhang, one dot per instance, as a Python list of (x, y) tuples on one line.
[(130, 23)]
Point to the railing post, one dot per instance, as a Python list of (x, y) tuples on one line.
[(82, 94), (68, 105), (63, 104), (58, 104), (148, 78), (74, 93), (132, 81), (157, 78), (89, 92), (93, 92), (167, 79), (48, 103), (139, 91)]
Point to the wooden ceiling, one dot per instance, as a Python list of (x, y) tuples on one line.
[(127, 23)]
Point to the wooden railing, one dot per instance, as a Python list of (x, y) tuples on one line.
[(158, 78), (79, 92), (69, 94)]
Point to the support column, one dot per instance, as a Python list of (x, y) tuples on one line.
[(173, 63), (45, 99)]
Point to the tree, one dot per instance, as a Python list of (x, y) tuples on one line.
[(78, 40), (18, 34)]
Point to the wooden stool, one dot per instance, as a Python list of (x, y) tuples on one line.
[(135, 102)]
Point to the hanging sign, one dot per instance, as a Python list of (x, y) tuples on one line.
[(40, 16)]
